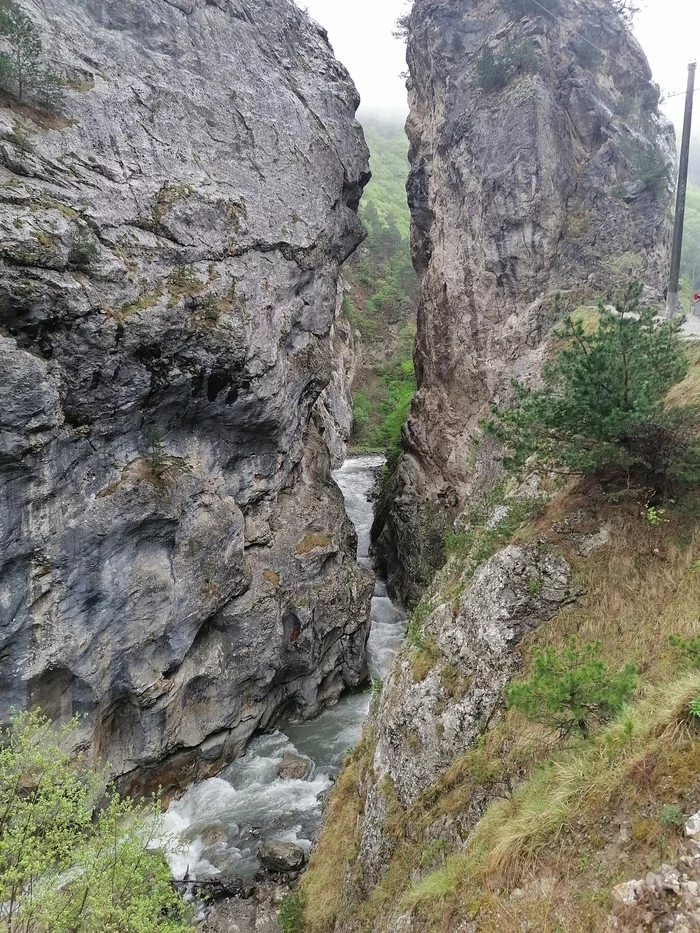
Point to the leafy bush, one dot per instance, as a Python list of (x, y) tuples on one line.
[(671, 815), (65, 866), (497, 70), (572, 689), (291, 915), (82, 251), (602, 402), (22, 72), (649, 162), (688, 649)]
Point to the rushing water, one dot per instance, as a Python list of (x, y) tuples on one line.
[(220, 822)]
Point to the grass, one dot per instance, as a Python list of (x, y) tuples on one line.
[(569, 791), (337, 849), (554, 810), (688, 391), (311, 542)]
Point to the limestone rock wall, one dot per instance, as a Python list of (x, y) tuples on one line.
[(555, 181), (176, 561)]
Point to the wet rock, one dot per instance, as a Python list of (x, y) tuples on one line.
[(162, 447), (282, 857), (294, 767)]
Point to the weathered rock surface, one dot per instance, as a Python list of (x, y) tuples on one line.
[(424, 722), (551, 183), (666, 899), (294, 767), (176, 560), (281, 856)]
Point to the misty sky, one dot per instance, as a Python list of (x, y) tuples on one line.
[(360, 32)]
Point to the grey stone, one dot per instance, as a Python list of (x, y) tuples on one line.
[(210, 155), (279, 856), (515, 194), (294, 767)]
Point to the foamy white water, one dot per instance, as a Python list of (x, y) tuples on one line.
[(219, 823)]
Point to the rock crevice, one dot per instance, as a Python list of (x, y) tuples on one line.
[(176, 559)]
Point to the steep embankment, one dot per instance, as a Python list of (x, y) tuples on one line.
[(456, 814), (539, 164), (176, 561)]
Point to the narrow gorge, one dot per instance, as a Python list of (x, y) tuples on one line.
[(349, 540)]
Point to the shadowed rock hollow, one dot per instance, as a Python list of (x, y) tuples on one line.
[(176, 559), (543, 171)]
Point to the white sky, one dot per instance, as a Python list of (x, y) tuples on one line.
[(360, 32)]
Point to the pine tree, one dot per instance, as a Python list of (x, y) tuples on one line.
[(571, 689), (603, 401), (22, 72)]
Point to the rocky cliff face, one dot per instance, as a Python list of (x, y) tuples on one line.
[(539, 164), (176, 560)]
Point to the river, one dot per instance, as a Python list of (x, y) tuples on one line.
[(220, 822)]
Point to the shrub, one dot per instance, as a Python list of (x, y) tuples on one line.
[(66, 867), (688, 649), (291, 915), (602, 401), (496, 70), (572, 689), (155, 451), (671, 815), (82, 251), (22, 73)]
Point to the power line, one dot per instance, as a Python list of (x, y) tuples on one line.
[(603, 52)]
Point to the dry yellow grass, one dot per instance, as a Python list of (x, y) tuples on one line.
[(322, 885), (688, 391)]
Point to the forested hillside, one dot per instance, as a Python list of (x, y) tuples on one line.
[(381, 303), (690, 268)]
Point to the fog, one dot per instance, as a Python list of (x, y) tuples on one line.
[(361, 34)]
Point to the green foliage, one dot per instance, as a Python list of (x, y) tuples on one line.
[(690, 263), (82, 251), (649, 163), (383, 297), (66, 866), (496, 69), (291, 914), (155, 450), (477, 542), (571, 689), (366, 325), (694, 708), (689, 649), (602, 402), (671, 815), (377, 421), (22, 72)]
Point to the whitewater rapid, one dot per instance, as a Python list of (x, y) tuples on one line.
[(219, 823)]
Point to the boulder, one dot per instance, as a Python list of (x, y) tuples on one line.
[(279, 856)]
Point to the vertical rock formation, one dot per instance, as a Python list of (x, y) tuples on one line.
[(176, 561), (539, 163)]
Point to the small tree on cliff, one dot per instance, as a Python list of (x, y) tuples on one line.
[(67, 865), (603, 401), (22, 72)]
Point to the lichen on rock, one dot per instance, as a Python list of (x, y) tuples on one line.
[(168, 291)]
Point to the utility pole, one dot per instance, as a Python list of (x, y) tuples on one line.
[(674, 281)]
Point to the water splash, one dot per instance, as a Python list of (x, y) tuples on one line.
[(219, 823)]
